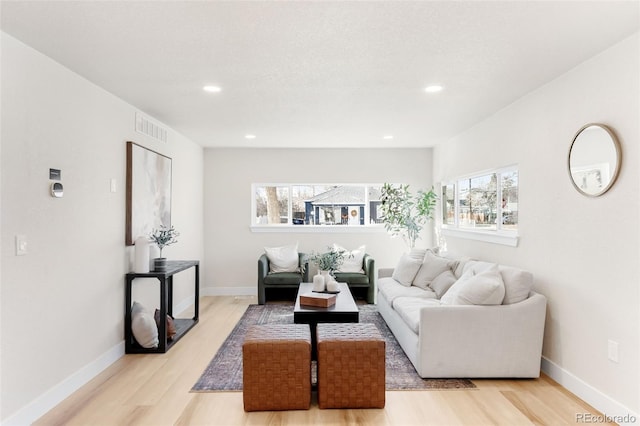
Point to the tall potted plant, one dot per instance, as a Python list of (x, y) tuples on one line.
[(405, 214), (163, 237)]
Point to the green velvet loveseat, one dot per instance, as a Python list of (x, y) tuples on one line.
[(279, 280)]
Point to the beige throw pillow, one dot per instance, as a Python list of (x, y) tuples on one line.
[(517, 284), (283, 259), (484, 288), (406, 269), (143, 327), (432, 267), (352, 259), (443, 282), (418, 253)]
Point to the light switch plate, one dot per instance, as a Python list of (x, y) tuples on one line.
[(21, 245)]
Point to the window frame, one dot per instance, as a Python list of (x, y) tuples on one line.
[(499, 235), (367, 227)]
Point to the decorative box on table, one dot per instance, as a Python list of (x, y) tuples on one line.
[(321, 300)]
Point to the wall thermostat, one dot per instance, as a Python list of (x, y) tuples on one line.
[(56, 190)]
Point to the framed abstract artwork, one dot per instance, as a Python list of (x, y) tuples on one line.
[(148, 191)]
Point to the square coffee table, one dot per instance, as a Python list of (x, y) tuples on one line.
[(344, 310)]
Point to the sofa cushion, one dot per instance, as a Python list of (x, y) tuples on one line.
[(443, 282), (409, 310), (351, 277), (406, 269), (390, 289), (283, 278), (484, 288), (431, 267), (352, 259), (283, 259)]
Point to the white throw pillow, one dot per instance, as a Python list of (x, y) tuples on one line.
[(143, 327), (352, 259), (406, 269), (517, 284), (484, 288), (418, 253), (443, 282), (432, 266), (283, 259)]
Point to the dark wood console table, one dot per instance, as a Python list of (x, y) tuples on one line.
[(166, 306)]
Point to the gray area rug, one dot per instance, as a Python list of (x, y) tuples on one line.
[(224, 372)]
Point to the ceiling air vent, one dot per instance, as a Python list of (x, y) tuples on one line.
[(150, 128)]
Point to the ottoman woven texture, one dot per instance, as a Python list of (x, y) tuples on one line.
[(351, 366), (277, 367)]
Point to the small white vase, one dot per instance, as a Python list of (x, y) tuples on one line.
[(318, 282), (326, 276), (141, 249), (332, 286)]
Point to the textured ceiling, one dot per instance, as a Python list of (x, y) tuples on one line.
[(320, 74)]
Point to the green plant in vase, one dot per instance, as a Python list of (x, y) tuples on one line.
[(163, 237), (405, 214), (328, 261)]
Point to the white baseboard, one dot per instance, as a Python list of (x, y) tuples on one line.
[(610, 408), (228, 291), (54, 396)]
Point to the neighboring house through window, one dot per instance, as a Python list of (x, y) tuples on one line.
[(482, 206), (281, 205)]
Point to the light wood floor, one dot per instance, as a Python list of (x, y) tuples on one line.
[(154, 390)]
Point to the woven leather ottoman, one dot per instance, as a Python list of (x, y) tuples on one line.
[(351, 366), (277, 367)]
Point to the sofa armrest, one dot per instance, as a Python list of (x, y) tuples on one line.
[(304, 264), (263, 267), (368, 265), (385, 272), (482, 341), (263, 270)]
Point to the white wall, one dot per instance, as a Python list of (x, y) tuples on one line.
[(232, 250), (583, 251), (63, 303)]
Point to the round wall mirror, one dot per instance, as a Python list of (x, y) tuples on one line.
[(594, 159)]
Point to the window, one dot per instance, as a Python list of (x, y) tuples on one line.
[(315, 205), (482, 202)]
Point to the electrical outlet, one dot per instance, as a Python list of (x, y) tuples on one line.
[(21, 245), (613, 351), (113, 185)]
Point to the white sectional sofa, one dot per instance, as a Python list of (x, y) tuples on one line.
[(463, 317)]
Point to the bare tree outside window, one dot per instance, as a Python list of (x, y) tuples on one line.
[(272, 205)]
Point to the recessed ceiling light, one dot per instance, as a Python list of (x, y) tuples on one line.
[(211, 89), (249, 136), (433, 89), (387, 137)]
